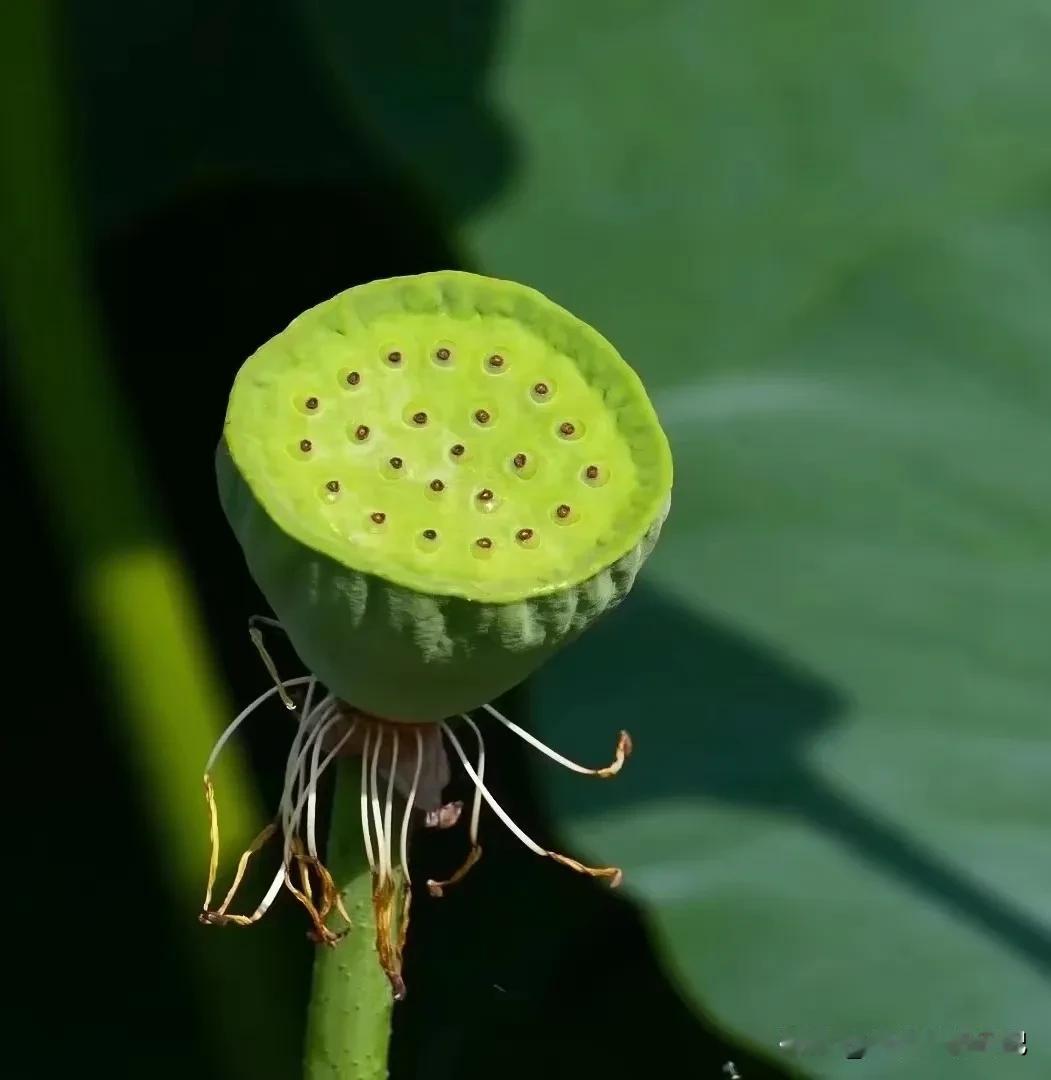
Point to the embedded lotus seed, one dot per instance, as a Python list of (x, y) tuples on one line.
[(437, 485), (353, 378), (430, 534), (457, 450), (519, 461), (306, 445), (311, 402), (484, 543), (419, 418), (482, 416), (362, 433), (396, 463), (379, 517), (564, 510), (485, 495), (524, 535), (566, 429), (333, 485)]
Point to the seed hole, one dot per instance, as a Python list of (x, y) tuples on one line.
[(570, 430), (430, 534), (311, 403), (333, 486), (519, 461), (443, 354), (527, 538), (523, 465), (361, 432), (484, 543), (437, 485), (306, 445), (396, 463), (496, 363), (378, 517), (594, 475), (394, 357), (564, 514), (353, 378), (543, 391), (485, 495), (457, 451), (482, 416), (419, 418)]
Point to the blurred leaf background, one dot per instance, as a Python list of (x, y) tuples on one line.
[(822, 234)]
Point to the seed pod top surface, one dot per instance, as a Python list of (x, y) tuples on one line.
[(453, 434)]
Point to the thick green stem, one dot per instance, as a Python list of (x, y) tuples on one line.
[(348, 1028)]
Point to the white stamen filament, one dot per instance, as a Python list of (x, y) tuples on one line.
[(409, 803), (388, 809), (377, 817), (496, 807), (366, 832), (476, 805), (535, 742), (245, 713)]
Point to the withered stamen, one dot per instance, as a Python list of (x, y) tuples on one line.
[(378, 516), (306, 445), (563, 511)]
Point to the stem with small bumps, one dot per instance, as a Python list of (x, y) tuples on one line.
[(348, 1027)]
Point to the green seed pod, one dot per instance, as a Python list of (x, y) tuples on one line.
[(437, 481)]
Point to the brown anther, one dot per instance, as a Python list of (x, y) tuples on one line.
[(563, 511), (496, 360), (591, 472), (396, 463), (484, 542), (519, 461), (437, 485), (524, 535), (419, 418), (457, 450), (482, 416), (394, 357), (311, 402), (443, 353), (430, 534), (379, 517), (362, 433), (306, 445), (485, 495), (353, 378), (541, 389), (566, 428), (333, 485)]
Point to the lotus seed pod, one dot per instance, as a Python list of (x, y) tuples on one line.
[(438, 481)]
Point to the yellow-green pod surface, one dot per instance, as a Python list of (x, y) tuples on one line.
[(437, 481)]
